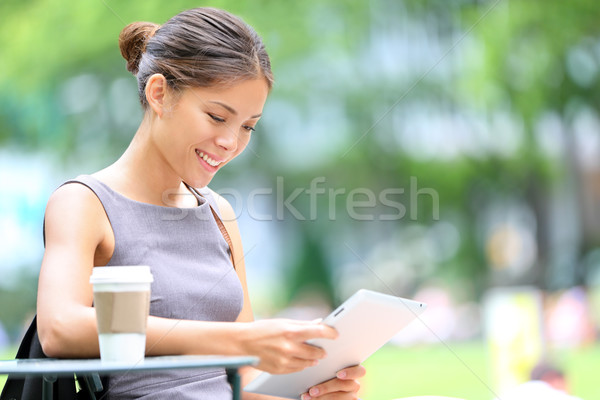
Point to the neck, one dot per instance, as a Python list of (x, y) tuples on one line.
[(143, 174)]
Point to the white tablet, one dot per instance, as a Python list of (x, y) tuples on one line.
[(365, 322)]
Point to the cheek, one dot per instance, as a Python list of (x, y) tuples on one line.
[(193, 130), (243, 141)]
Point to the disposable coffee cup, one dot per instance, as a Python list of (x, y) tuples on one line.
[(122, 303)]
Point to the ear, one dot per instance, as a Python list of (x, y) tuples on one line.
[(156, 93)]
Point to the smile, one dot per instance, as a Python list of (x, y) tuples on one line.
[(208, 160)]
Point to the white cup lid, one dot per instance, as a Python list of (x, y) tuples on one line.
[(121, 274)]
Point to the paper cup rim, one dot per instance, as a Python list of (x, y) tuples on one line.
[(121, 274)]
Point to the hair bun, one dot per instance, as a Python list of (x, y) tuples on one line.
[(132, 42)]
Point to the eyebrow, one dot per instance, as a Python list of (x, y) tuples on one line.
[(231, 110)]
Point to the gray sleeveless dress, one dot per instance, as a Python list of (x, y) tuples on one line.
[(193, 279)]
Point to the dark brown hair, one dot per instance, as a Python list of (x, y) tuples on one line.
[(200, 47)]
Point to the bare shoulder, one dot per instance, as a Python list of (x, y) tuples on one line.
[(73, 196), (225, 208), (72, 210)]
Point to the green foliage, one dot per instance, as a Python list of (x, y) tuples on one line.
[(310, 272), (525, 55)]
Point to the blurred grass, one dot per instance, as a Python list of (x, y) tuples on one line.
[(462, 371), (459, 370)]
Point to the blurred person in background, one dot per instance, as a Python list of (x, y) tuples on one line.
[(547, 382), (203, 78)]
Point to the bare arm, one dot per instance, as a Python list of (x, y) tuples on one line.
[(73, 229)]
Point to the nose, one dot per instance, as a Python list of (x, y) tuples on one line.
[(227, 139)]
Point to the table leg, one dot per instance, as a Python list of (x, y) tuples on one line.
[(234, 379), (48, 380)]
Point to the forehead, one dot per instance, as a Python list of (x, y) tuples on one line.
[(245, 97)]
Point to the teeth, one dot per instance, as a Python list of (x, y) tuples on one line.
[(208, 160)]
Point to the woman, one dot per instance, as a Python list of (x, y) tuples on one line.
[(203, 79)]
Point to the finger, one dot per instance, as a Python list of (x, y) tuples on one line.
[(354, 372), (296, 364), (311, 352), (332, 396), (286, 366), (334, 385), (317, 331), (304, 322)]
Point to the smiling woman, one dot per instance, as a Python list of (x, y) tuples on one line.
[(203, 78)]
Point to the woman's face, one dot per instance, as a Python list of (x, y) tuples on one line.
[(208, 127)]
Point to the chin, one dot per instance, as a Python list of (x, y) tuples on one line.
[(197, 182)]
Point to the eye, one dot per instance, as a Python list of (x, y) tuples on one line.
[(248, 128), (215, 118)]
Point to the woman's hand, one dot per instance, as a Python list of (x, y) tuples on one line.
[(281, 344), (344, 386)]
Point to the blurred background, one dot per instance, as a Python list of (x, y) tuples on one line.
[(442, 150)]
